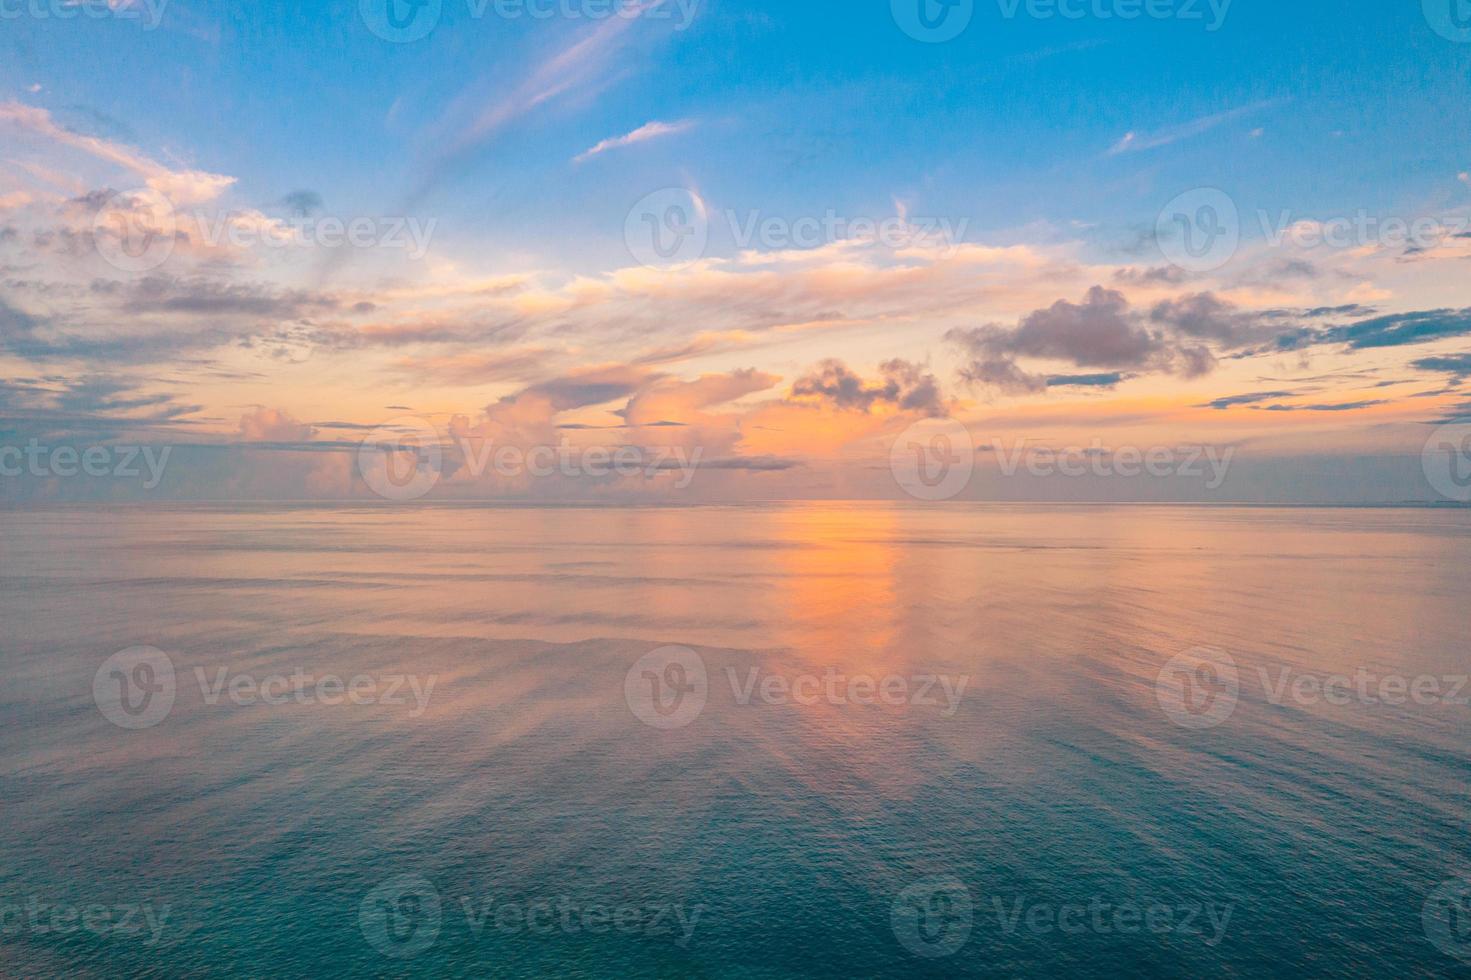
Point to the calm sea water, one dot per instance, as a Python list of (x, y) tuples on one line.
[(518, 817)]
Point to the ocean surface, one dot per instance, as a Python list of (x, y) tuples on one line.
[(816, 740)]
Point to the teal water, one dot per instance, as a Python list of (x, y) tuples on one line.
[(1057, 821)]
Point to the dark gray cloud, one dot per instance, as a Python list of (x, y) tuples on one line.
[(1108, 380), (902, 384), (1337, 407), (303, 203), (161, 294), (1457, 364), (1100, 332), (1248, 399)]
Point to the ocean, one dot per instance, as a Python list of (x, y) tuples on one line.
[(807, 740)]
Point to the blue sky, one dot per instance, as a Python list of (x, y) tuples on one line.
[(1027, 171)]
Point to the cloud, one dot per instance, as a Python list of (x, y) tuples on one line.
[(1134, 142), (648, 131), (1457, 364), (1230, 401), (1108, 380), (902, 385), (1339, 407), (180, 187), (273, 425), (303, 204), (1102, 331)]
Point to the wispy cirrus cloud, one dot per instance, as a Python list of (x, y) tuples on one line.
[(1135, 142), (646, 132)]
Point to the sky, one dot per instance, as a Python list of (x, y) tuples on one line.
[(768, 251)]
